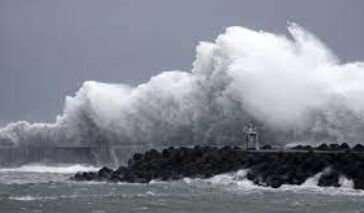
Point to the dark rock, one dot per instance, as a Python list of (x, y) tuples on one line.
[(266, 147), (358, 184), (78, 177), (329, 178), (275, 181), (85, 176), (271, 169), (344, 146), (334, 147), (137, 157), (358, 148), (121, 170), (322, 147), (298, 147), (105, 173), (151, 154)]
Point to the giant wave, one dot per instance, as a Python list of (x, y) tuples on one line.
[(292, 85)]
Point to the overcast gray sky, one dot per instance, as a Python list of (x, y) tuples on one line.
[(49, 47)]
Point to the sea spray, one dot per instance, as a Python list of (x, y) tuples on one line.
[(294, 87)]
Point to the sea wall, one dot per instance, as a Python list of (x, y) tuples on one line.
[(268, 167)]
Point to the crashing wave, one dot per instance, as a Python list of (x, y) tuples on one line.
[(292, 85), (237, 182), (58, 169)]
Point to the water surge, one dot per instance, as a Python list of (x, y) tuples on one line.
[(292, 86)]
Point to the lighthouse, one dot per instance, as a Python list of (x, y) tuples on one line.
[(251, 136)]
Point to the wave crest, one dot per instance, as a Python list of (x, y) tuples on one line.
[(292, 86)]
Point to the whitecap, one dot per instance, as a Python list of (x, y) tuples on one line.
[(60, 168)]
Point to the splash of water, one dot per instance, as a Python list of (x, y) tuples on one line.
[(292, 85), (57, 169)]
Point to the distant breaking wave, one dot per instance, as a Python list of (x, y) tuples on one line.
[(291, 85), (57, 169), (237, 182)]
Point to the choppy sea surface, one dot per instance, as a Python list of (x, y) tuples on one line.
[(40, 188)]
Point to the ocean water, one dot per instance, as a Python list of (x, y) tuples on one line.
[(40, 188)]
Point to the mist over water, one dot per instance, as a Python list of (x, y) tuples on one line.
[(292, 85)]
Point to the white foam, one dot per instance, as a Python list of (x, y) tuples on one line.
[(31, 198), (60, 169), (312, 182), (346, 183), (233, 181), (237, 182)]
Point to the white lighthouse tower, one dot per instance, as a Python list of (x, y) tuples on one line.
[(251, 136)]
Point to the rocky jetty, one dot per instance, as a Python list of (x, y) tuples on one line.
[(268, 167)]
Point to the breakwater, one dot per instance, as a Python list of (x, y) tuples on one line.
[(267, 167)]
